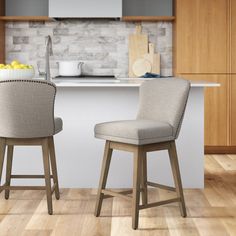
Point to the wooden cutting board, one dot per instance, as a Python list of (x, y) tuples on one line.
[(138, 46), (153, 58)]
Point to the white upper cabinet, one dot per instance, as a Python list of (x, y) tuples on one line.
[(85, 8)]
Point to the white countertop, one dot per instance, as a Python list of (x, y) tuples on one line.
[(124, 82)]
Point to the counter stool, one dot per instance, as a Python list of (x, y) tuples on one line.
[(27, 118), (161, 110)]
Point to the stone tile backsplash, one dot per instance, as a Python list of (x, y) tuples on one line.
[(101, 44)]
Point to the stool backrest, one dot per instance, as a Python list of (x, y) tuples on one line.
[(26, 108), (164, 100)]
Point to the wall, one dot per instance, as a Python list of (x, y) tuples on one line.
[(101, 44)]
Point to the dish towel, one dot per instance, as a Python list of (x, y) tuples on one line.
[(150, 75)]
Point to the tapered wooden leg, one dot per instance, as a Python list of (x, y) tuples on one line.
[(54, 167), (144, 179), (103, 178), (2, 155), (177, 178), (136, 187), (9, 169), (46, 165)]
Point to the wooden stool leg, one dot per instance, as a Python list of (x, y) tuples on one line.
[(144, 179), (136, 187), (46, 165), (54, 167), (9, 169), (2, 155), (177, 178), (103, 178)]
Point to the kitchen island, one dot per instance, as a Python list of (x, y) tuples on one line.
[(79, 155)]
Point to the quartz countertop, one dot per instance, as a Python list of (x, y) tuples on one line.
[(121, 82)]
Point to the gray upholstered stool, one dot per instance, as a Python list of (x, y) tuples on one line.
[(27, 118), (161, 111)]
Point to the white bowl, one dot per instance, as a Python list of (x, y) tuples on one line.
[(16, 74)]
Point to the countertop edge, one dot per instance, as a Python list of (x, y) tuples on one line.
[(107, 85), (129, 84)]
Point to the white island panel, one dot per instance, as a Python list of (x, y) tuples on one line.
[(81, 109), (79, 154)]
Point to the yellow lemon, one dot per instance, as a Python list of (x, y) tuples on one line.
[(15, 62), (8, 67), (16, 67)]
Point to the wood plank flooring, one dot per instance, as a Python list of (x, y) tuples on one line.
[(211, 212)]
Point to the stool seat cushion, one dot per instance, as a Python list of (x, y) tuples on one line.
[(136, 132), (58, 125)]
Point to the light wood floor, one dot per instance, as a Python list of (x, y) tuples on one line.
[(211, 212)]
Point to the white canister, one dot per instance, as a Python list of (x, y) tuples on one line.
[(70, 68)]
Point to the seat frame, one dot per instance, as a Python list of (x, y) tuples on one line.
[(49, 158), (140, 181)]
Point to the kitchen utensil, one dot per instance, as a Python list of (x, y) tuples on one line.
[(153, 58), (17, 73), (70, 68), (138, 46), (141, 66)]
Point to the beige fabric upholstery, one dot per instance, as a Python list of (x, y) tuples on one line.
[(164, 100), (135, 131), (27, 109), (161, 110), (58, 125)]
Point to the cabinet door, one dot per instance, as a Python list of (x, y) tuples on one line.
[(2, 32), (2, 42), (147, 8), (26, 8), (233, 36), (233, 111), (216, 128), (201, 36)]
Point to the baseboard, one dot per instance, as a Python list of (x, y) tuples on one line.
[(220, 149)]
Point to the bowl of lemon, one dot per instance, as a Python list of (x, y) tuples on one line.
[(16, 70)]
